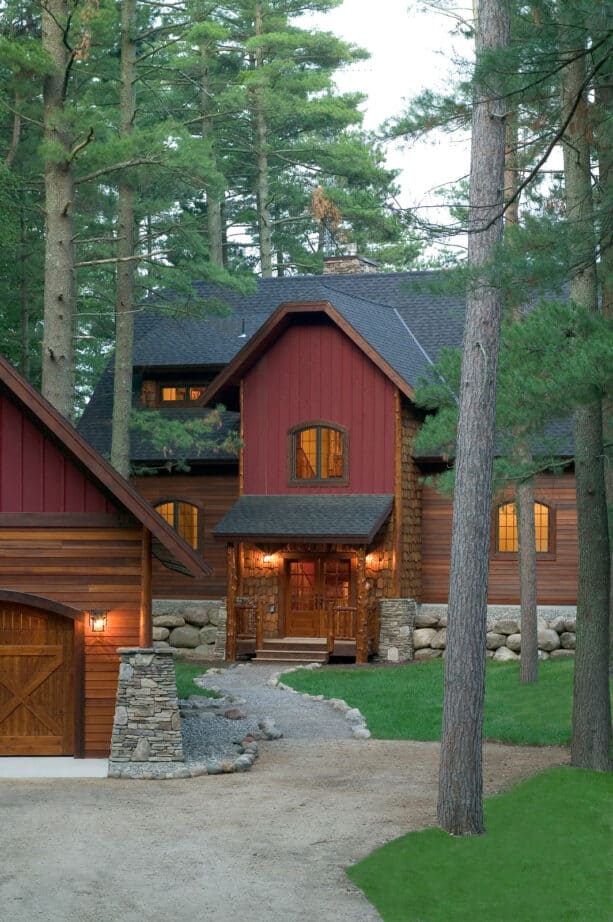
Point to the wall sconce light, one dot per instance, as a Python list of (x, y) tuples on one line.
[(269, 560), (97, 619)]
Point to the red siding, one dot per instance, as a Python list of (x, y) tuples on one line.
[(317, 373), (34, 474)]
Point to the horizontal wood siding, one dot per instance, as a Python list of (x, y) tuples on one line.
[(556, 573), (84, 568), (35, 476), (213, 495), (315, 373)]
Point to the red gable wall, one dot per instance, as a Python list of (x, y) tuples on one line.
[(315, 373), (34, 474)]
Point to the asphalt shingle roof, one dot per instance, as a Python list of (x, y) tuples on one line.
[(325, 517), (399, 314)]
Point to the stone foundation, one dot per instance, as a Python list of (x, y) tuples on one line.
[(397, 621), (147, 725), (556, 632), (196, 629)]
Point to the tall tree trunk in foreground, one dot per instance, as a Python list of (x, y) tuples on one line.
[(59, 297), (524, 495), (213, 199), (124, 301), (604, 143), (263, 194), (591, 738), (460, 805)]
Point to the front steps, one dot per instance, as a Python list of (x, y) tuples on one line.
[(293, 650)]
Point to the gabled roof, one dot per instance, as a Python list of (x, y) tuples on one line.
[(402, 319), (279, 321), (353, 518), (59, 430)]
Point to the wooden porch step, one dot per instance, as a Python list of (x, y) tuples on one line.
[(293, 649)]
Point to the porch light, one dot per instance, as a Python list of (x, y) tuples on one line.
[(97, 619), (269, 560)]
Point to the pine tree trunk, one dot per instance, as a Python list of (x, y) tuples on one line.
[(527, 582), (213, 200), (604, 100), (591, 735), (524, 499), (59, 282), (126, 219), (460, 805), (262, 190), (24, 297)]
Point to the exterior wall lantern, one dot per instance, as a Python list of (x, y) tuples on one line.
[(98, 619)]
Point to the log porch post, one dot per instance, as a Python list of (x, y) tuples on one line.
[(361, 639), (232, 555)]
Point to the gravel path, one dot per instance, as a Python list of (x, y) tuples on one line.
[(296, 717)]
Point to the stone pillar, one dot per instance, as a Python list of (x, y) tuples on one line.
[(396, 630), (147, 725)]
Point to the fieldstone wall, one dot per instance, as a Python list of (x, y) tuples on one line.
[(195, 629), (556, 632), (147, 725), (397, 621)]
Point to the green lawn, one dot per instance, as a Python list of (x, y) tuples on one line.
[(405, 702), (546, 857), (185, 681)]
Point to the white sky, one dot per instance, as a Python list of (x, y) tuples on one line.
[(411, 48)]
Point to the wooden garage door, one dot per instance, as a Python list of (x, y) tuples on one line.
[(36, 682)]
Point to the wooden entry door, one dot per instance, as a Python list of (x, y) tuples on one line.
[(313, 584), (37, 682)]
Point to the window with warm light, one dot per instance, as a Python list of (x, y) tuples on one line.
[(180, 394), (507, 541), (185, 518), (318, 453)]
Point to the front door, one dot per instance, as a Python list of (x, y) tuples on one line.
[(36, 682), (313, 586)]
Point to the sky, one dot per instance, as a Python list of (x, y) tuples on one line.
[(412, 48)]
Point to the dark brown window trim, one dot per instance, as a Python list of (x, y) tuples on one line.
[(292, 480), (550, 554), (160, 385), (199, 520)]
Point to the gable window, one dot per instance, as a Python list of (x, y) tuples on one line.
[(318, 453), (507, 541), (185, 518)]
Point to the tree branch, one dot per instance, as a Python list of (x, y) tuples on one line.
[(114, 168)]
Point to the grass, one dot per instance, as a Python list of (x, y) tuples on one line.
[(185, 681), (545, 858), (405, 702)]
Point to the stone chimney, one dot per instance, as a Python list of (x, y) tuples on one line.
[(351, 264)]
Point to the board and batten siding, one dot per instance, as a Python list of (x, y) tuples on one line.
[(314, 373), (62, 538), (35, 476), (556, 572)]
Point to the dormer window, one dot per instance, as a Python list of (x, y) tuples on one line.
[(177, 394), (318, 454)]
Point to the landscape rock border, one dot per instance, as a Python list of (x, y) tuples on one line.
[(359, 730)]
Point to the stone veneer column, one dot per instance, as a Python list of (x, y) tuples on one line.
[(397, 621), (147, 725)]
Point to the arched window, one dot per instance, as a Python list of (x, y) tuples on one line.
[(318, 453), (185, 518), (506, 528)]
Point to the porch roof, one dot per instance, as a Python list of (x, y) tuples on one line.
[(354, 518)]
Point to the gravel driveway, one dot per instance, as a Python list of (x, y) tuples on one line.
[(269, 845)]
